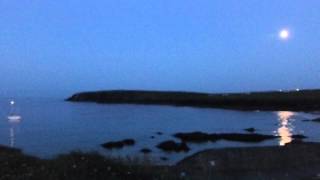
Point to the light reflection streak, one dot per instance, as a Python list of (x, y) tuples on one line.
[(14, 124), (12, 136), (285, 127)]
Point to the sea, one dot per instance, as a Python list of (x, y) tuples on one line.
[(53, 126)]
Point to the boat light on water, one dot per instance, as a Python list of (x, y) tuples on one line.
[(13, 117)]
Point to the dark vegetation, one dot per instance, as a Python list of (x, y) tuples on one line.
[(118, 144), (303, 100), (14, 165), (293, 161)]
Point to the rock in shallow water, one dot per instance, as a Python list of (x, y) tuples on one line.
[(145, 150), (254, 137), (164, 158), (128, 142), (173, 146), (118, 144), (298, 136), (312, 120), (199, 137), (251, 130)]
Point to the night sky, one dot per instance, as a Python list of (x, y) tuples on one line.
[(56, 48)]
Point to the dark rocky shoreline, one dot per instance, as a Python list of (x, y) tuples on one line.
[(198, 137), (297, 160), (302, 100), (293, 161)]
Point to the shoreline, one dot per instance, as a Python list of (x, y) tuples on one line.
[(293, 161), (302, 100), (297, 160)]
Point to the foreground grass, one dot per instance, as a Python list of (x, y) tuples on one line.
[(294, 161), (76, 166)]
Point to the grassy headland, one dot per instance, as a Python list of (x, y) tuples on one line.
[(303, 100)]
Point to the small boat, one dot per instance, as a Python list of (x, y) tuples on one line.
[(13, 117)]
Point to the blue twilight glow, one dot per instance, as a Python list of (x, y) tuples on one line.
[(60, 47)]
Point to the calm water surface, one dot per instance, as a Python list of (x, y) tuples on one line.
[(53, 126)]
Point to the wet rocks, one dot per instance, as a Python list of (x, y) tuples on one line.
[(173, 146), (298, 136), (112, 145), (294, 141), (316, 120), (164, 158), (312, 120), (253, 137), (128, 142), (145, 150), (251, 130), (198, 137), (118, 144)]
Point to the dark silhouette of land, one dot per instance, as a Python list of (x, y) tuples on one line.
[(302, 100), (293, 161), (296, 160)]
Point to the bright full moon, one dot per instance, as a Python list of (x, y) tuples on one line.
[(284, 34)]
